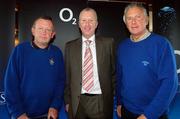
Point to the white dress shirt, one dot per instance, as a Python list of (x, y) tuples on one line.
[(96, 88)]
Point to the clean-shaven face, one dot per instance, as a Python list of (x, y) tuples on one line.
[(88, 23), (136, 21), (42, 32)]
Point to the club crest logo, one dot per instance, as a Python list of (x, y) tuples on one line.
[(51, 61)]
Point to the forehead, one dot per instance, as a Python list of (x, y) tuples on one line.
[(87, 14), (134, 11), (43, 22)]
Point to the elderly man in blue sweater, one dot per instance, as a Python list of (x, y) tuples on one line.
[(146, 70), (35, 76)]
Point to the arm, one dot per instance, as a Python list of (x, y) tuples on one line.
[(118, 78), (12, 84), (113, 66), (67, 88), (59, 89), (168, 77)]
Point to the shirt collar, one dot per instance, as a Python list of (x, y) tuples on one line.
[(144, 36), (36, 47), (92, 38)]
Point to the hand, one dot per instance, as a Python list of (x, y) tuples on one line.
[(119, 110), (23, 116), (52, 113), (142, 116), (67, 107)]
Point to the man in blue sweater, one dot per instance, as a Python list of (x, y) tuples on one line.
[(146, 70), (35, 76)]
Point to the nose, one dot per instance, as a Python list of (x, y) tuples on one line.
[(87, 23), (133, 20)]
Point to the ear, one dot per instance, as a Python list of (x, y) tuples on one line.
[(147, 20), (124, 19), (53, 34), (96, 24), (32, 30)]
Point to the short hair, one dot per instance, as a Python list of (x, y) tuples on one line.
[(134, 4), (89, 9), (45, 18)]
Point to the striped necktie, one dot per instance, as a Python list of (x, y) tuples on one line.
[(88, 81)]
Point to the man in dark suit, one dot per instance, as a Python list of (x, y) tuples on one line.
[(90, 72)]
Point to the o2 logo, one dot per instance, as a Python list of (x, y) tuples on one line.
[(2, 98), (70, 18)]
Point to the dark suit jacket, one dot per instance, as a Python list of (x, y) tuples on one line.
[(106, 70)]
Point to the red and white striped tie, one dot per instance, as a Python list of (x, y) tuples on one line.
[(88, 81)]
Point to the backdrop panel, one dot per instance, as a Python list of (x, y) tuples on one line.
[(6, 43), (167, 23), (65, 15)]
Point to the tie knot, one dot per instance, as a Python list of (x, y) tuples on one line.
[(87, 43)]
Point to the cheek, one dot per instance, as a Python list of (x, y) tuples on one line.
[(128, 26), (81, 26)]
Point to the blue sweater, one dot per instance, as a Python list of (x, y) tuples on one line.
[(146, 75), (34, 80)]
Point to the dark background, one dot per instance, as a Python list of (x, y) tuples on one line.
[(165, 22)]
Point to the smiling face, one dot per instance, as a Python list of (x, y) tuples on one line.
[(136, 21), (88, 22), (42, 31)]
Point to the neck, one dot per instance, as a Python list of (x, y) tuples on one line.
[(138, 37), (40, 45), (87, 37)]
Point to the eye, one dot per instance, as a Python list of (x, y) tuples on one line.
[(138, 17), (40, 29), (129, 18), (48, 30)]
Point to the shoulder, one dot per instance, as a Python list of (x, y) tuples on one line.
[(22, 46), (124, 42), (55, 48), (105, 39), (159, 40), (20, 50), (73, 42)]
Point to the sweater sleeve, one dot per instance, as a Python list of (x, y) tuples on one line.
[(168, 77), (12, 85), (59, 90)]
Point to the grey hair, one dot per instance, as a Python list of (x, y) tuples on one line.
[(134, 4)]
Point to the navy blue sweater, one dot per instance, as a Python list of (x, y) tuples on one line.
[(146, 75), (34, 80)]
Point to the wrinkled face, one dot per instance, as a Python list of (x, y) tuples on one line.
[(88, 23), (136, 21), (42, 32)]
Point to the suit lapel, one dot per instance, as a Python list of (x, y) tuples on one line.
[(78, 55), (99, 53)]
